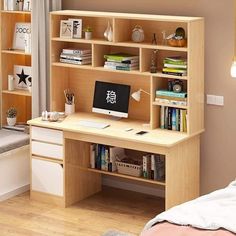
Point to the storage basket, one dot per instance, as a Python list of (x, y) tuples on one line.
[(129, 169)]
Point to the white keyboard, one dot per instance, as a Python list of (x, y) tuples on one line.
[(93, 124)]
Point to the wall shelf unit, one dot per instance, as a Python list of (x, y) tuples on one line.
[(20, 99)]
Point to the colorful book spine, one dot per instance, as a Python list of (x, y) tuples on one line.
[(162, 117), (173, 119), (76, 51), (171, 94)]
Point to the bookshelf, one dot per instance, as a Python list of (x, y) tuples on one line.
[(122, 25), (76, 179), (20, 99)]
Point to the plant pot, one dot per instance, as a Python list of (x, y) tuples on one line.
[(88, 35), (11, 121)]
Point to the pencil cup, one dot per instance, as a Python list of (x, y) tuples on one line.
[(69, 109)]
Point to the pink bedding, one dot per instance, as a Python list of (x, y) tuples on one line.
[(167, 229)]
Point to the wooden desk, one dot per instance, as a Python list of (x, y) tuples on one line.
[(79, 181)]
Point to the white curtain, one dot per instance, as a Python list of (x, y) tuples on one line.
[(40, 53)]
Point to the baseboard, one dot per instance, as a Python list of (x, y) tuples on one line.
[(14, 192), (133, 187)]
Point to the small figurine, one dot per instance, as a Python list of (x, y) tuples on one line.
[(153, 67), (154, 40)]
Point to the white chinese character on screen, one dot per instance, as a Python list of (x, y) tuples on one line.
[(111, 97)]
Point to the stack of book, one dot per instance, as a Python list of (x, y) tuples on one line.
[(154, 167), (76, 56), (171, 98), (175, 66), (173, 119), (103, 157), (121, 61)]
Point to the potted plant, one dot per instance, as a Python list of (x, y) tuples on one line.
[(11, 116), (88, 32)]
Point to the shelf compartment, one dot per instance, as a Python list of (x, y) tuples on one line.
[(98, 24), (116, 174), (100, 50), (8, 62), (10, 20), (18, 92), (146, 57), (82, 82), (58, 46), (22, 105), (124, 28)]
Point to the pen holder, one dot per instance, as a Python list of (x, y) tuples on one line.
[(69, 109)]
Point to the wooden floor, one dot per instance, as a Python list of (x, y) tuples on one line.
[(111, 209)]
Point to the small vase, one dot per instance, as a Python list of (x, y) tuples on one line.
[(20, 6), (110, 35), (88, 35), (11, 121), (107, 30)]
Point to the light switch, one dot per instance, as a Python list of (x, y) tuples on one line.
[(215, 100)]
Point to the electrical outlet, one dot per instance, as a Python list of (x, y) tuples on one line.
[(215, 100)]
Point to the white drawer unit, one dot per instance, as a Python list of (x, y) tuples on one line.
[(47, 177), (47, 150), (47, 135)]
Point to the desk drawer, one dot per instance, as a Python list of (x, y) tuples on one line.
[(47, 150), (47, 135), (47, 177)]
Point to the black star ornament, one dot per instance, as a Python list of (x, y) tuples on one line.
[(22, 77)]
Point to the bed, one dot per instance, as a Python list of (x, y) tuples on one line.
[(211, 215)]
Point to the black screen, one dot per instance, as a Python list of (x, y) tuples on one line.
[(111, 96)]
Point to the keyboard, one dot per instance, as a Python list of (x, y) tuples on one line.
[(93, 124)]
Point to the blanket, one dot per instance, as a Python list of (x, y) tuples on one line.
[(212, 211)]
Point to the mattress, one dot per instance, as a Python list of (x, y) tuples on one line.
[(168, 229), (10, 140)]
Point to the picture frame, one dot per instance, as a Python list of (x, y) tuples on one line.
[(27, 5), (21, 29), (22, 77), (66, 29), (77, 28)]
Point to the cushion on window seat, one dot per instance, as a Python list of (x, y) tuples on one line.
[(10, 140)]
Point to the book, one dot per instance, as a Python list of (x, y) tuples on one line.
[(75, 61), (92, 155), (130, 61), (166, 118), (169, 118), (119, 57), (162, 117), (171, 94), (153, 167), (184, 121), (178, 66), (120, 68), (182, 99), (175, 70), (175, 60), (76, 56), (160, 167), (98, 157), (174, 73), (173, 119), (171, 102), (76, 51), (112, 63), (177, 119), (146, 166)]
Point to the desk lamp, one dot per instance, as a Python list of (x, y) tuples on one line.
[(137, 95)]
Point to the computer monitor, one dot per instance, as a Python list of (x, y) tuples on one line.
[(111, 99)]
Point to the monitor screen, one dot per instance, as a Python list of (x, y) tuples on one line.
[(111, 99)]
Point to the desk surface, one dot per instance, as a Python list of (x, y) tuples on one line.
[(115, 130)]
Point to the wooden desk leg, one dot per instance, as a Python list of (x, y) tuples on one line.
[(79, 183), (183, 172)]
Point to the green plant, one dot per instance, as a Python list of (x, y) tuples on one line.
[(88, 29), (11, 112)]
